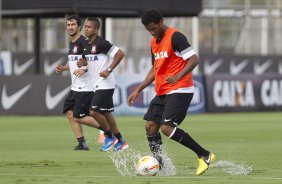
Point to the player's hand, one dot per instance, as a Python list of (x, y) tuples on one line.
[(172, 79), (81, 62), (104, 74), (59, 68), (131, 98), (79, 72)]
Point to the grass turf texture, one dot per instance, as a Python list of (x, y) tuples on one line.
[(40, 150)]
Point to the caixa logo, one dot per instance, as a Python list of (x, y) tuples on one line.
[(144, 98), (198, 101), (117, 99)]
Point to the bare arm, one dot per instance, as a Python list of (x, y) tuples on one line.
[(60, 68), (116, 60), (148, 80), (191, 64)]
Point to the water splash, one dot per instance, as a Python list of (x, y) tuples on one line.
[(232, 168), (168, 169), (125, 162)]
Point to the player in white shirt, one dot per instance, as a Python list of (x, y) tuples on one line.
[(78, 101), (102, 57)]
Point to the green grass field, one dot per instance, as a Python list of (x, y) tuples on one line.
[(39, 150)]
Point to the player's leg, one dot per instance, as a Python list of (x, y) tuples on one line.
[(78, 132), (111, 122), (121, 144), (89, 121), (152, 126), (75, 126), (99, 106), (81, 109), (154, 139), (175, 110), (101, 119)]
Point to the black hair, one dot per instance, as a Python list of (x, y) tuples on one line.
[(74, 17), (95, 20), (150, 16)]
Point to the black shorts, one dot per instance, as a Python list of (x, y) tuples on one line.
[(102, 101), (78, 102), (169, 109)]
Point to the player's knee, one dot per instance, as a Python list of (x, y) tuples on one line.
[(109, 115), (69, 115), (77, 120), (92, 113), (166, 129), (151, 128)]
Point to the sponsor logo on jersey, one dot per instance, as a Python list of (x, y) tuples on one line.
[(91, 58), (75, 49), (93, 49), (161, 55), (74, 57)]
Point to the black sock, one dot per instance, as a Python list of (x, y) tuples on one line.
[(185, 139), (155, 143), (80, 139), (119, 137), (108, 133)]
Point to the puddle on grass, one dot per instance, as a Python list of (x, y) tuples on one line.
[(232, 168), (125, 162)]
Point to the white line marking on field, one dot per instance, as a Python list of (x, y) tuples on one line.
[(166, 177)]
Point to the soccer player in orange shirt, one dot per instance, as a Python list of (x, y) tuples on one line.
[(173, 60)]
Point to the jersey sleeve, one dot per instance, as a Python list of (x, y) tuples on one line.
[(181, 46), (108, 48)]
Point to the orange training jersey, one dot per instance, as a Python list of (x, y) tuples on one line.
[(167, 63)]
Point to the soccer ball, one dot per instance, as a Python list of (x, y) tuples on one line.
[(148, 166)]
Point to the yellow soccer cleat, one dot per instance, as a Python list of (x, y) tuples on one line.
[(204, 163)]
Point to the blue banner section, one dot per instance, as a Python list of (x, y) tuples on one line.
[(198, 104), (127, 84)]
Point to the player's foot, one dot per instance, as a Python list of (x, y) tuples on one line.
[(81, 146), (108, 143), (204, 163), (119, 146), (160, 160)]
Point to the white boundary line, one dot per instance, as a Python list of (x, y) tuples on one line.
[(157, 177)]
